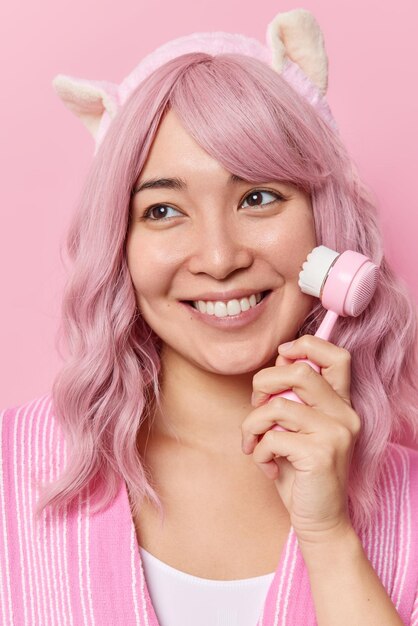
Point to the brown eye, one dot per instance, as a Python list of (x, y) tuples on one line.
[(158, 212), (255, 198)]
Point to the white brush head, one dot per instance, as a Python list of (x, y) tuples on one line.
[(315, 270)]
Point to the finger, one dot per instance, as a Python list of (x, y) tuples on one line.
[(309, 386), (281, 360), (291, 446), (334, 361), (292, 416), (304, 452), (297, 418)]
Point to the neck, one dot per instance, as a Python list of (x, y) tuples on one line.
[(201, 409)]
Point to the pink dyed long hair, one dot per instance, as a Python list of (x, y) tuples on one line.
[(245, 115)]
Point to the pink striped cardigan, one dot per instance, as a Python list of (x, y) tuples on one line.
[(83, 569)]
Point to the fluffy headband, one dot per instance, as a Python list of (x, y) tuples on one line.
[(295, 49)]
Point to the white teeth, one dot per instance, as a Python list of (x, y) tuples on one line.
[(221, 309), (232, 307), (245, 304)]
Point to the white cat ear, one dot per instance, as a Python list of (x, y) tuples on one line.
[(296, 34), (88, 99)]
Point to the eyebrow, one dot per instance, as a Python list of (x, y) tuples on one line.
[(177, 183)]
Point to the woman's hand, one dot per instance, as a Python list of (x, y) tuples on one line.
[(310, 464)]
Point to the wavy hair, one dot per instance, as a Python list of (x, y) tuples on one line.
[(245, 115)]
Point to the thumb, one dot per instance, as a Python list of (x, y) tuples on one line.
[(282, 360)]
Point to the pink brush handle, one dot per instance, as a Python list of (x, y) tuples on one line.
[(324, 331)]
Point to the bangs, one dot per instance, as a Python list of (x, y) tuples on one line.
[(247, 117)]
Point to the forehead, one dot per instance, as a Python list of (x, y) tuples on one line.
[(174, 151)]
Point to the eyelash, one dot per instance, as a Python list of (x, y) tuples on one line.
[(146, 214)]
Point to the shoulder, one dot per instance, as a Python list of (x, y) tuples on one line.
[(390, 540), (400, 468), (32, 443), (395, 500), (399, 524), (397, 514), (26, 423)]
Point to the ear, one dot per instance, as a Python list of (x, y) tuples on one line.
[(88, 99), (296, 34)]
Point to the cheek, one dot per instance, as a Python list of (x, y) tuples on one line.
[(150, 268), (287, 253), (296, 243)]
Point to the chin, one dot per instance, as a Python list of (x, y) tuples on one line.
[(229, 366)]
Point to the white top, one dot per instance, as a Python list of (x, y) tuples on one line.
[(181, 599)]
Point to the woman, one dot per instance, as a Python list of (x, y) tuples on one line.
[(168, 499)]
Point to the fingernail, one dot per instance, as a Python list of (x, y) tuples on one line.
[(286, 346)]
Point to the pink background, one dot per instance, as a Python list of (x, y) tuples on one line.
[(46, 150)]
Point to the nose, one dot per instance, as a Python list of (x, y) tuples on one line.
[(219, 249)]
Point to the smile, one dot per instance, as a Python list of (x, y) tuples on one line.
[(231, 314), (220, 308)]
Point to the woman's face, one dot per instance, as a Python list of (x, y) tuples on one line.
[(217, 240)]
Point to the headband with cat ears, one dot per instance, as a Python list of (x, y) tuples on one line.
[(295, 49)]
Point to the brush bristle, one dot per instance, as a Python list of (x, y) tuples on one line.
[(361, 295)]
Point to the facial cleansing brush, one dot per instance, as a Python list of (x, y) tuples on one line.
[(345, 283)]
